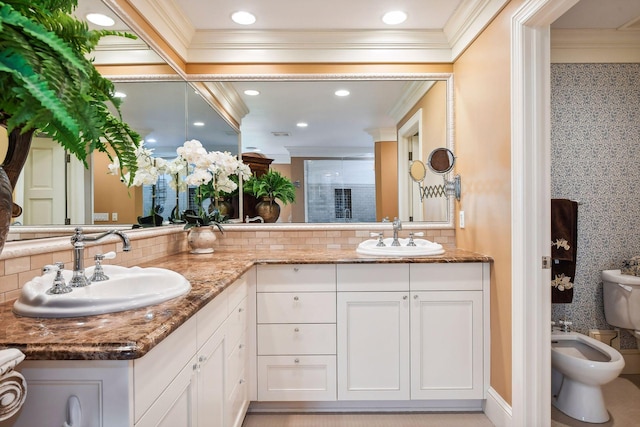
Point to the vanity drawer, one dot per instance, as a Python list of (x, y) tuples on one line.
[(237, 292), (297, 307), (457, 276), (296, 278), (297, 339), (373, 277), (296, 378)]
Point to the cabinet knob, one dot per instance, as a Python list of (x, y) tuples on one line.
[(296, 269), (202, 358), (296, 298), (240, 310), (195, 366), (296, 360), (415, 296), (404, 297), (241, 381), (240, 346), (296, 330)]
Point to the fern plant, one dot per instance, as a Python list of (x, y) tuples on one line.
[(49, 85)]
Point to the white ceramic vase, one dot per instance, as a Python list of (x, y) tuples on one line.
[(201, 239)]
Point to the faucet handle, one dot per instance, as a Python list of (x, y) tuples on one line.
[(59, 285), (380, 237), (108, 255)]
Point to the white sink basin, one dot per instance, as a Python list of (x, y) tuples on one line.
[(422, 248), (127, 288)]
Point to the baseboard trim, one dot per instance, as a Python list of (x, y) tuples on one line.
[(376, 406), (497, 409)]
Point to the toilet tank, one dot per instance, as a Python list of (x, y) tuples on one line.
[(621, 294)]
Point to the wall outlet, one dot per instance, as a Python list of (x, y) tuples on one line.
[(114, 216), (461, 220), (101, 216)]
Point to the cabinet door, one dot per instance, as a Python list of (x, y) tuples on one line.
[(373, 345), (446, 345), (212, 364), (176, 405)]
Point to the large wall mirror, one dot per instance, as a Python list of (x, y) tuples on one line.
[(349, 163)]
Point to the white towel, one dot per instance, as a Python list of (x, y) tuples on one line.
[(13, 386)]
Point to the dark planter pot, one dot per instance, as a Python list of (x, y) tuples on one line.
[(18, 145), (148, 221), (268, 210)]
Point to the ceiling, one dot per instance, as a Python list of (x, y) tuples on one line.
[(328, 31)]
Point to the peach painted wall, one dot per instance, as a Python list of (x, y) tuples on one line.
[(111, 195), (483, 151), (386, 164), (286, 214)]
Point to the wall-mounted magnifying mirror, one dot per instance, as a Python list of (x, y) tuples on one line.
[(440, 161), (418, 171)]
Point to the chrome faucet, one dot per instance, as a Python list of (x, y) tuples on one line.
[(397, 225), (79, 279)]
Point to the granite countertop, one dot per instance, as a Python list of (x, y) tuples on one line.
[(131, 334)]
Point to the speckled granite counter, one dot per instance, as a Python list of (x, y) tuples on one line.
[(131, 334)]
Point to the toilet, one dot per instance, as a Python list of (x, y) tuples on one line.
[(580, 365), (621, 294)]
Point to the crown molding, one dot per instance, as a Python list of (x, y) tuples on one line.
[(228, 98), (468, 21), (383, 134), (238, 46), (595, 46)]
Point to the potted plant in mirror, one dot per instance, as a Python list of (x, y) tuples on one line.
[(267, 188), (48, 84)]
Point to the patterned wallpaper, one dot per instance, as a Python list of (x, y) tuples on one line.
[(595, 159)]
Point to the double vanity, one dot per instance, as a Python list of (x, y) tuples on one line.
[(328, 330)]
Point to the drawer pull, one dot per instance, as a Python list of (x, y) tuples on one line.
[(296, 360), (296, 330), (296, 298)]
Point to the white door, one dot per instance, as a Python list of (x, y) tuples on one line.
[(44, 183), (373, 346), (446, 345)]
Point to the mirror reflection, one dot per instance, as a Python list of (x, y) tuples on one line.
[(340, 152)]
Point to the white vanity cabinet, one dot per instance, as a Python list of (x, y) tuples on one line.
[(413, 331), (197, 376), (296, 332)]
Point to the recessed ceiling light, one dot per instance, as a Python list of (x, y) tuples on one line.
[(198, 123), (302, 124), (251, 92), (342, 92), (251, 148), (150, 140), (100, 19), (243, 18), (394, 17), (119, 95)]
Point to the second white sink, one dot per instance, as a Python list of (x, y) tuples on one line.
[(126, 289), (422, 248)]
